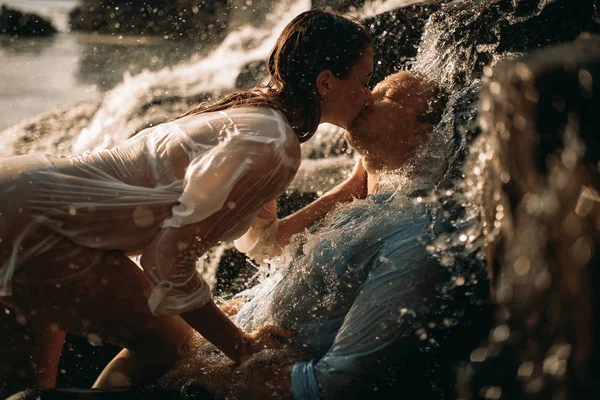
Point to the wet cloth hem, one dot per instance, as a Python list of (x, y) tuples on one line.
[(304, 381)]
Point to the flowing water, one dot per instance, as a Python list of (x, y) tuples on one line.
[(458, 45)]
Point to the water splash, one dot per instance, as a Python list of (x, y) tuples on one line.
[(119, 115)]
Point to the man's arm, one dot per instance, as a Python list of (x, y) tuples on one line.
[(353, 187), (261, 232)]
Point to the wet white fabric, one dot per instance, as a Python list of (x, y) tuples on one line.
[(169, 176), (258, 243)]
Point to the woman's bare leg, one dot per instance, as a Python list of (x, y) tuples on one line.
[(107, 304), (28, 357)]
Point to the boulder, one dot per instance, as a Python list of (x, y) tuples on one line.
[(465, 36), (396, 36), (173, 19), (251, 75), (16, 23)]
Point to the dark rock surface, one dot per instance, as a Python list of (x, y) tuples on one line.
[(251, 75), (338, 5), (16, 23), (175, 19), (396, 36), (463, 37)]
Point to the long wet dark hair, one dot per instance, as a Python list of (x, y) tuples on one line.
[(314, 41)]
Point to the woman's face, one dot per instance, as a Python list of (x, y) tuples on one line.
[(349, 96)]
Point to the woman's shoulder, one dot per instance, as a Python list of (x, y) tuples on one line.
[(259, 113)]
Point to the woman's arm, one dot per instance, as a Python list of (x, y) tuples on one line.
[(252, 176), (170, 261)]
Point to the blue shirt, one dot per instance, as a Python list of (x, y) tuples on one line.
[(366, 300)]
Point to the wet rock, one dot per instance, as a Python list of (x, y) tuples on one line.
[(396, 36), (36, 135), (540, 115), (463, 37), (338, 5), (76, 368), (234, 274), (174, 19), (251, 75), (16, 23), (292, 201)]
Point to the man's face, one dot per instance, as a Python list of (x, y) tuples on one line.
[(394, 120)]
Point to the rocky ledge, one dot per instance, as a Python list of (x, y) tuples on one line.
[(16, 23), (174, 19)]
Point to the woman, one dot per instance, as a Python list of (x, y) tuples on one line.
[(169, 193)]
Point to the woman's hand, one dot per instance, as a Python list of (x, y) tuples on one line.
[(265, 338), (233, 306)]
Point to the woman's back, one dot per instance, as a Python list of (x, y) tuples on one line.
[(137, 183)]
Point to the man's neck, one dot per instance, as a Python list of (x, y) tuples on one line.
[(376, 169), (372, 183)]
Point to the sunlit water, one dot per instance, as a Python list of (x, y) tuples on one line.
[(39, 74), (123, 110)]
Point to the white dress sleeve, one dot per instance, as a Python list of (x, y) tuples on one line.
[(208, 181), (254, 154), (259, 242)]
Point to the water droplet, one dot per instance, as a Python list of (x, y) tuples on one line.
[(495, 88), (586, 81), (582, 250), (523, 71), (492, 392), (94, 339), (479, 354), (143, 216), (522, 266), (21, 320), (500, 333), (525, 370), (447, 260), (542, 280)]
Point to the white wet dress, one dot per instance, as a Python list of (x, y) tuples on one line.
[(168, 176)]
